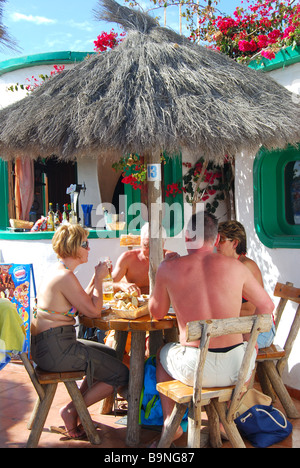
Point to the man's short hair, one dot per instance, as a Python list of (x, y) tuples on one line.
[(202, 227)]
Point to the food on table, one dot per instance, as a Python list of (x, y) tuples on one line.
[(129, 301)]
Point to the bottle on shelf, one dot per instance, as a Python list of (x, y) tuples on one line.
[(72, 215), (56, 218), (50, 218), (58, 213), (108, 288), (65, 215)]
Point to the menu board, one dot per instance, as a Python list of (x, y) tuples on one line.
[(15, 284)]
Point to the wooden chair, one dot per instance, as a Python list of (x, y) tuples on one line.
[(213, 400), (272, 360), (45, 384)]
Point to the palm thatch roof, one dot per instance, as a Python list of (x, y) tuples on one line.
[(5, 39), (155, 91)]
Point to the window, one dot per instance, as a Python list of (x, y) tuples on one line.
[(277, 197), (292, 192), (51, 179)]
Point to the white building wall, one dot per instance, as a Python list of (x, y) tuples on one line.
[(276, 264), (20, 76)]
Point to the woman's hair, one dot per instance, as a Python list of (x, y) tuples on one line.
[(235, 231), (68, 239)]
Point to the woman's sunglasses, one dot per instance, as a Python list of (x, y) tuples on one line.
[(224, 239), (85, 244)]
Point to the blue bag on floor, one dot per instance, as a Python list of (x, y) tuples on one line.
[(263, 425), (150, 411)]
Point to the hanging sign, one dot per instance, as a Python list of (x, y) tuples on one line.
[(154, 172), (15, 285)]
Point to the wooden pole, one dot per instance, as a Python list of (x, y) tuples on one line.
[(155, 232), (154, 215)]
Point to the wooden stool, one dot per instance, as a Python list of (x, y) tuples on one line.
[(272, 360), (45, 384)]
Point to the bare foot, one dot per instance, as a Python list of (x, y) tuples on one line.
[(69, 416)]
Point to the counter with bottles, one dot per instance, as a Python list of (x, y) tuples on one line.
[(7, 234), (45, 226)]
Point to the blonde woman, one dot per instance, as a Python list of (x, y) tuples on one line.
[(233, 243), (54, 344)]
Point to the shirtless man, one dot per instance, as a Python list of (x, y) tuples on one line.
[(131, 272), (206, 286)]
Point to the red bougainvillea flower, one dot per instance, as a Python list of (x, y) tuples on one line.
[(256, 27), (173, 189), (269, 54), (108, 40)]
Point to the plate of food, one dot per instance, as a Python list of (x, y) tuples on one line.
[(130, 306)]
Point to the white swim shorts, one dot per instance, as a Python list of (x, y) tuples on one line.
[(220, 369)]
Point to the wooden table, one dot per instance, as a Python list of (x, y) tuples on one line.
[(138, 328)]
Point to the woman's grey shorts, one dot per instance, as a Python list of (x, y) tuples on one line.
[(58, 350)]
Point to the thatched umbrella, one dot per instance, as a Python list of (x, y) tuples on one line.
[(156, 91)]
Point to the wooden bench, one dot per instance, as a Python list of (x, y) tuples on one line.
[(45, 384), (213, 400), (272, 360)]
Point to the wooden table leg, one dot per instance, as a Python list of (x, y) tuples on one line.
[(155, 341), (171, 335), (136, 379), (120, 339)]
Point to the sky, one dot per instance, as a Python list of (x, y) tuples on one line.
[(41, 26)]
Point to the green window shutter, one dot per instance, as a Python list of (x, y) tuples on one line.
[(4, 222), (173, 221)]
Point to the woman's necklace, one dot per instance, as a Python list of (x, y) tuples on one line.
[(60, 261)]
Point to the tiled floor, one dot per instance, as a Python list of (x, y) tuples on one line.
[(17, 398)]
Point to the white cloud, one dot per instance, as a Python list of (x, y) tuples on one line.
[(85, 25), (32, 19)]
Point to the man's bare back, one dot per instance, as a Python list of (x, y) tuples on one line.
[(205, 285), (200, 286)]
